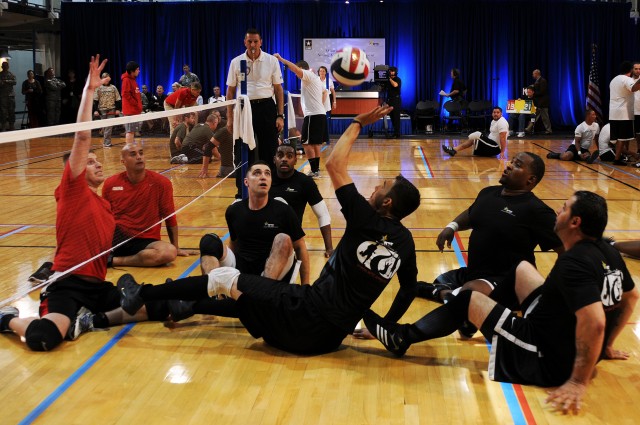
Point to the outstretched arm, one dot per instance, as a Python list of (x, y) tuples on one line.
[(82, 139), (339, 159), (292, 66)]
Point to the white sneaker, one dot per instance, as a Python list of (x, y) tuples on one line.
[(521, 134), (511, 133), (179, 159)]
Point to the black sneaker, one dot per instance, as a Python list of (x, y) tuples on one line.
[(431, 291), (619, 162), (391, 335), (449, 150), (42, 274), (553, 155), (180, 309), (7, 313), (593, 157), (130, 299)]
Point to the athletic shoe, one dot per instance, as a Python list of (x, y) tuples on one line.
[(391, 335), (107, 144), (179, 159), (593, 157), (553, 155), (521, 134), (467, 330), (431, 291), (180, 309), (637, 165), (314, 174), (619, 163), (8, 312), (42, 274), (548, 132), (82, 324), (449, 150), (511, 133), (130, 299)]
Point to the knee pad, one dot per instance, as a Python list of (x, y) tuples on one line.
[(210, 244), (459, 305), (42, 335)]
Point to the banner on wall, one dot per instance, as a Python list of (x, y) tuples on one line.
[(319, 51)]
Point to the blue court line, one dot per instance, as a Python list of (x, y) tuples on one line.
[(307, 161), (33, 415), (55, 395), (507, 389), (13, 232), (424, 162)]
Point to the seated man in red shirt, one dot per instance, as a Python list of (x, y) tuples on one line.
[(140, 200), (181, 98), (84, 231)]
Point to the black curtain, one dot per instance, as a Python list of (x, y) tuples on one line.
[(495, 43)]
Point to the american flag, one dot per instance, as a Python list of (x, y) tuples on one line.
[(593, 90)]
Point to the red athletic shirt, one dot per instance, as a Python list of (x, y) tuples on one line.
[(84, 227), (138, 206), (185, 96)]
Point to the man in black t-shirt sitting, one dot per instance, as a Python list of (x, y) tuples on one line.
[(570, 319), (299, 190), (316, 318), (508, 222)]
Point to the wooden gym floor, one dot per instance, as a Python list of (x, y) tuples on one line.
[(209, 370)]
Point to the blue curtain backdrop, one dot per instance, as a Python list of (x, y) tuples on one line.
[(496, 44)]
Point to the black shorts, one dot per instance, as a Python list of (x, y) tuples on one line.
[(67, 295), (484, 146), (515, 356), (621, 130), (636, 124), (574, 150), (132, 247), (282, 314), (313, 129), (608, 156)]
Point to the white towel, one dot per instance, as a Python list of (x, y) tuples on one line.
[(242, 126), (291, 113)]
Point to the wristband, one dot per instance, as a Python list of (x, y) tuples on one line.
[(280, 116), (357, 122), (453, 226)]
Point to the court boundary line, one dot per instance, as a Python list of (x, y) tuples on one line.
[(518, 405)]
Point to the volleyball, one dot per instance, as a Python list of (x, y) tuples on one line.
[(350, 66)]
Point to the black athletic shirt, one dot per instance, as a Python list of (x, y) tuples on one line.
[(372, 250), (298, 190), (506, 229), (254, 231), (587, 273)]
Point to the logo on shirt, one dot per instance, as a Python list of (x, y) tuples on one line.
[(379, 257), (506, 210), (268, 225), (612, 287), (290, 189), (117, 188)]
